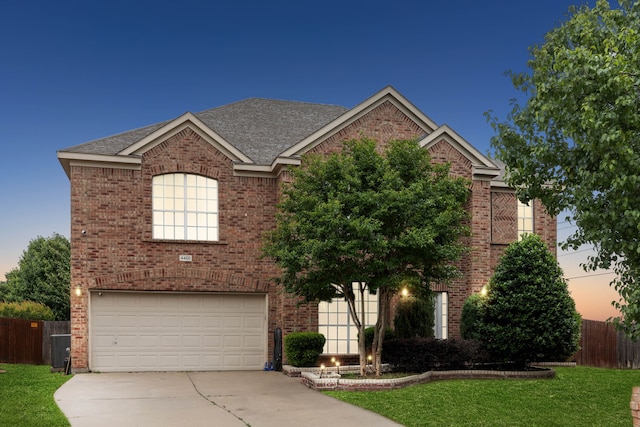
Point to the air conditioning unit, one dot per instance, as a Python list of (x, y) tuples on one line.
[(60, 350)]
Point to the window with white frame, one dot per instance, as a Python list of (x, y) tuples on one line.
[(185, 207), (525, 218), (440, 326), (335, 323)]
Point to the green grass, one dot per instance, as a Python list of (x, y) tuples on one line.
[(576, 397), (26, 396)]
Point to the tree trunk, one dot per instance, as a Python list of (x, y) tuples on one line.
[(359, 322), (384, 297)]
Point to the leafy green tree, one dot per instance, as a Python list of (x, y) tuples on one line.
[(575, 144), (528, 314), (376, 220), (43, 275)]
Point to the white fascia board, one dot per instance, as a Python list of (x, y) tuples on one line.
[(465, 148), (484, 173), (270, 171), (68, 159), (386, 94), (187, 120), (502, 186)]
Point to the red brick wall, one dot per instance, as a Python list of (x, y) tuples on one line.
[(117, 251), (113, 206), (545, 225), (383, 124)]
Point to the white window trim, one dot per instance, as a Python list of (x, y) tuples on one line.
[(525, 218), (185, 207)]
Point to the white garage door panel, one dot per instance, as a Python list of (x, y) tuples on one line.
[(169, 332)]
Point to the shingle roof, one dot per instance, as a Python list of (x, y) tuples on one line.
[(260, 128)]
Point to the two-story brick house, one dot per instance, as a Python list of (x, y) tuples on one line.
[(167, 224)]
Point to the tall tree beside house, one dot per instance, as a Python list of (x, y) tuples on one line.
[(528, 314), (575, 143), (370, 221), (43, 275)]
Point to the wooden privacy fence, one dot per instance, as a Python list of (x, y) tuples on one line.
[(28, 341), (602, 346)]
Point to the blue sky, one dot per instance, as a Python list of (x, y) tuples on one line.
[(74, 71)]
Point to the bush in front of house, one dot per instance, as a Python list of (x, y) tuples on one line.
[(303, 348), (389, 334), (471, 317), (28, 310), (528, 314), (419, 355), (415, 317)]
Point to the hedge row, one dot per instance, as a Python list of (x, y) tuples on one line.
[(428, 354), (26, 310)]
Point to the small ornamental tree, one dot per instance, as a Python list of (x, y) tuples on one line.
[(528, 314), (368, 220)]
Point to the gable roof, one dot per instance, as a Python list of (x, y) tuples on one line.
[(262, 135), (483, 167), (257, 129)]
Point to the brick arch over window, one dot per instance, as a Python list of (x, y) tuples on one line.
[(179, 280), (186, 152)]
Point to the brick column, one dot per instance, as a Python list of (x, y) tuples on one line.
[(635, 406)]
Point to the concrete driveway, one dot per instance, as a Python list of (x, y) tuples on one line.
[(221, 399)]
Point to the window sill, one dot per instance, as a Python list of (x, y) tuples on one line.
[(188, 242)]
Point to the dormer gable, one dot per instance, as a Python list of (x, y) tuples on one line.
[(483, 169)]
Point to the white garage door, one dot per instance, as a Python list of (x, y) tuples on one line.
[(176, 332)]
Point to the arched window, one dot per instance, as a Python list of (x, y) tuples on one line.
[(185, 207)]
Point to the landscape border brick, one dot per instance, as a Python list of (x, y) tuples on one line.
[(328, 380)]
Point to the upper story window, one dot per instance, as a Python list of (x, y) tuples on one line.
[(525, 218), (185, 207)]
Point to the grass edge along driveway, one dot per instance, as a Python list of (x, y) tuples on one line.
[(579, 396), (26, 392)]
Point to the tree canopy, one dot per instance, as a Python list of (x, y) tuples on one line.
[(575, 143), (43, 275), (369, 218)]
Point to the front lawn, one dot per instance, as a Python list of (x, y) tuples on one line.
[(578, 396), (26, 393)]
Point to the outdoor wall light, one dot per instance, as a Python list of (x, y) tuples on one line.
[(484, 291), (404, 292), (78, 290)]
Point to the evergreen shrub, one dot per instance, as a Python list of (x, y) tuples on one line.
[(303, 348)]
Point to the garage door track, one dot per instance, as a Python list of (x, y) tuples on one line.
[(222, 399)]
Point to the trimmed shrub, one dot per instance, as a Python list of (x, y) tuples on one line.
[(419, 355), (28, 310), (529, 314), (389, 334), (471, 317), (303, 348), (415, 317)]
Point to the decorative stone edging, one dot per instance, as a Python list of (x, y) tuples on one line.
[(329, 381)]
